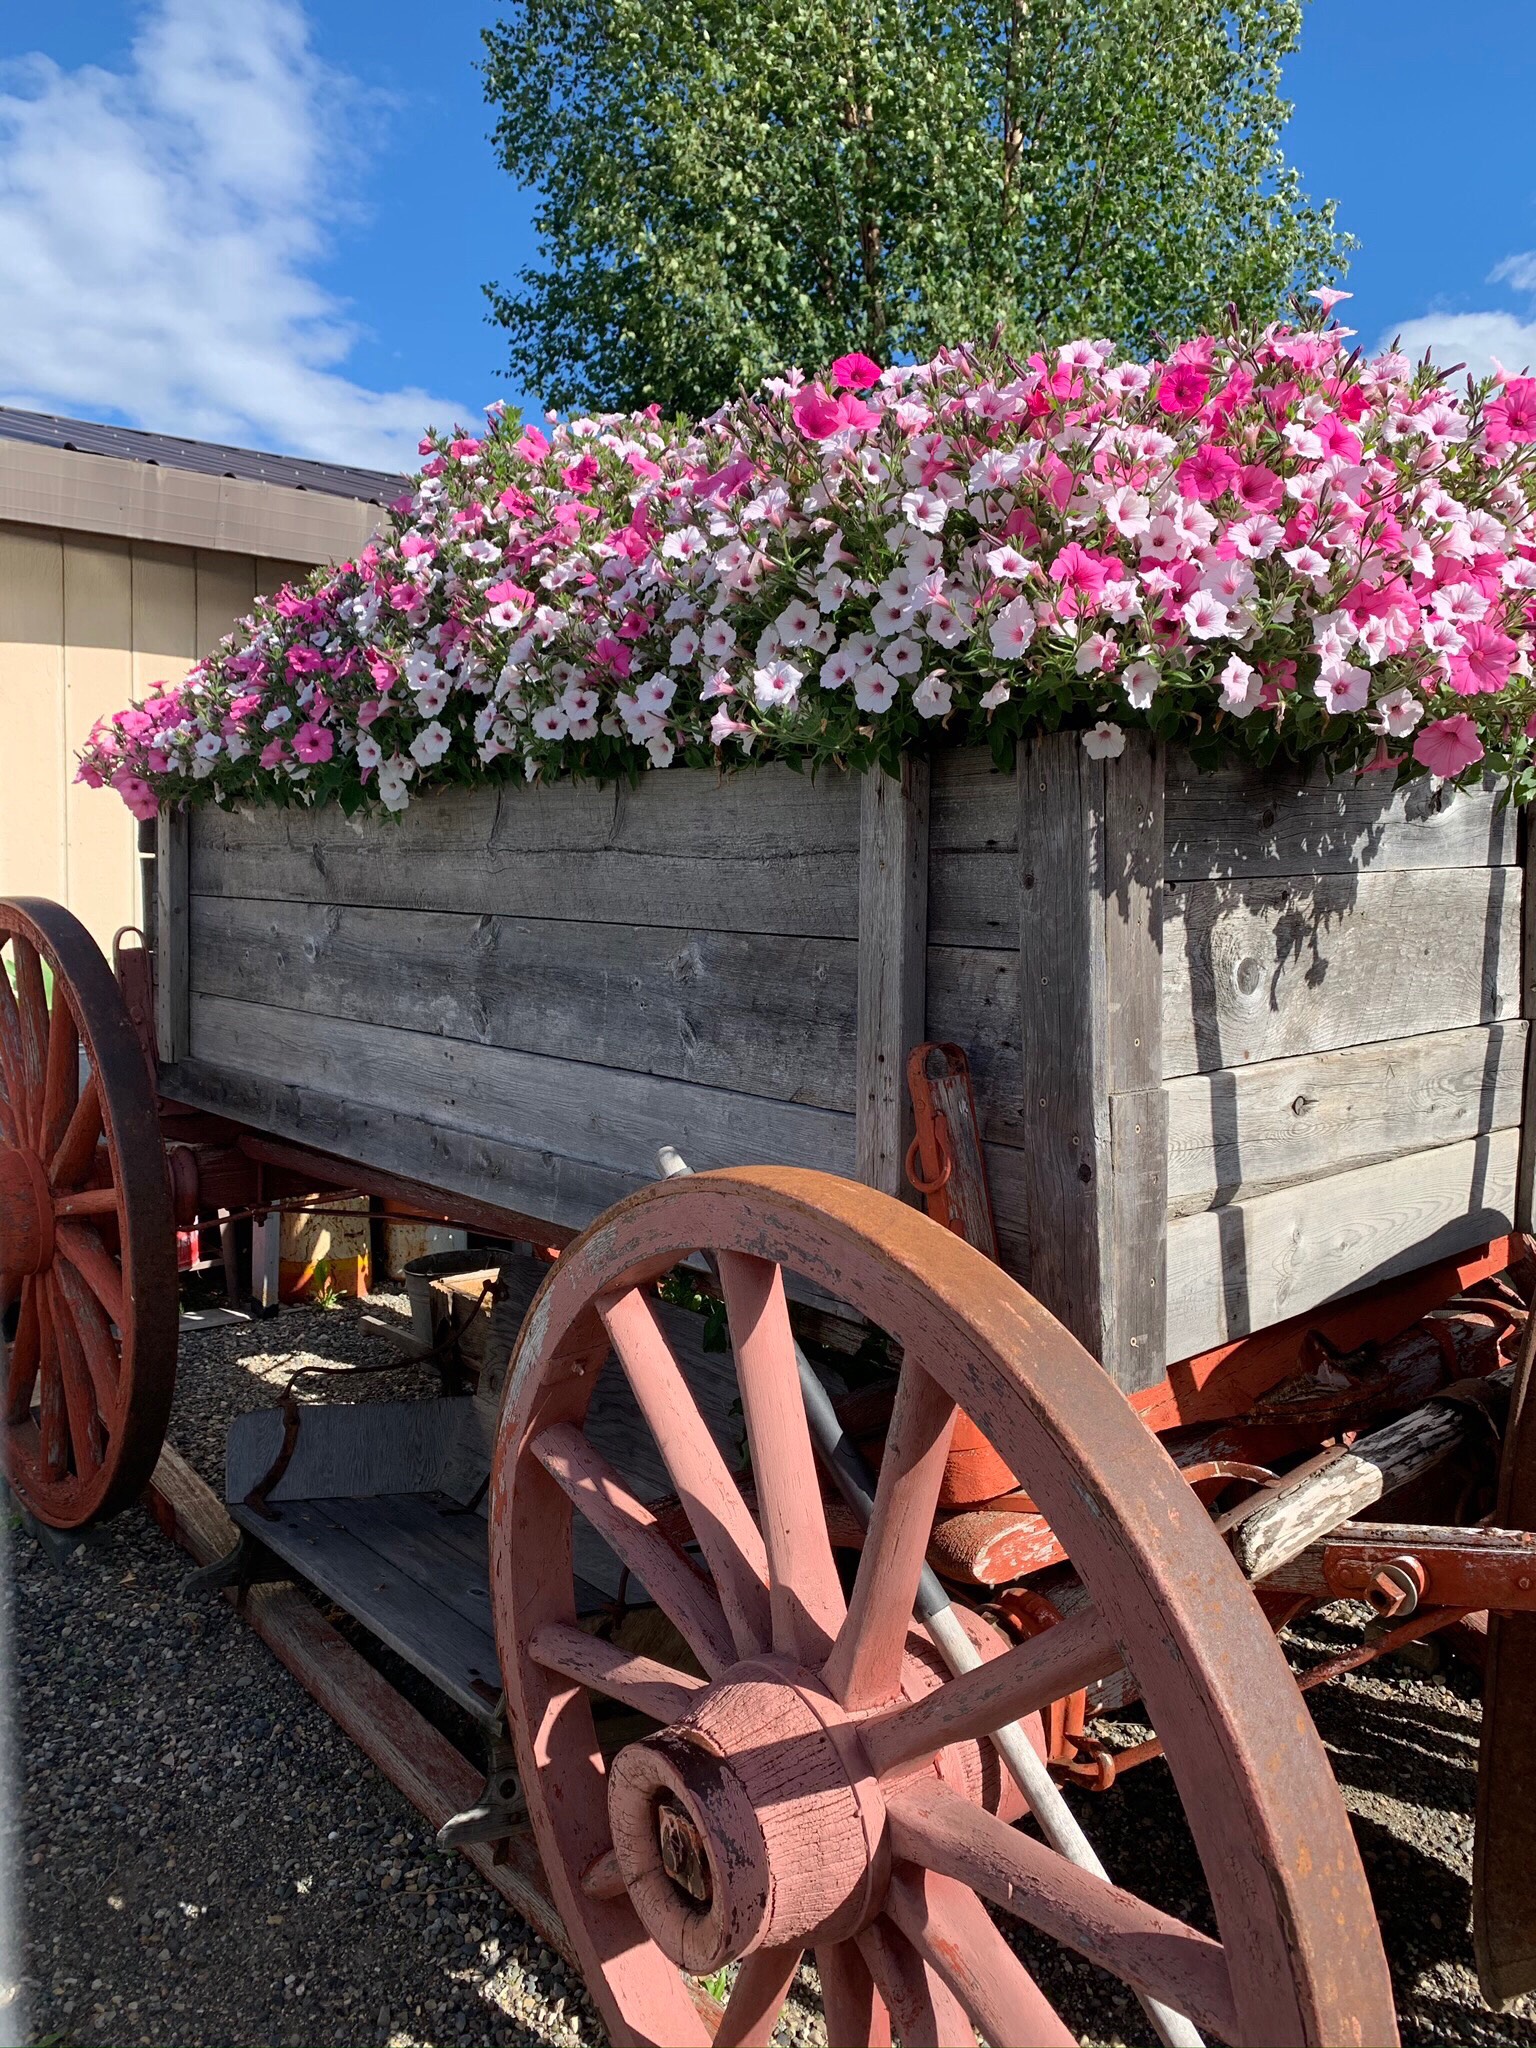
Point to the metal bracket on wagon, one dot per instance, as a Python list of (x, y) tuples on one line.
[(500, 1808)]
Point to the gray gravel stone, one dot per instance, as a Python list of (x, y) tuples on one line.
[(207, 1860)]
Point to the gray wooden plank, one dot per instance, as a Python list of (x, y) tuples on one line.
[(1090, 853), (1244, 1130), (358, 1448), (567, 1107), (1293, 821), (535, 1185), (973, 838), (769, 850), (1253, 1263), (453, 1651), (767, 1014), (892, 967), (1264, 969), (446, 1553), (172, 939)]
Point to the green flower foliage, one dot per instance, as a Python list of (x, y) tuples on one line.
[(730, 186)]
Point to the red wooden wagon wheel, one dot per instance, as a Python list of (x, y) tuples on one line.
[(87, 1239), (820, 1790)]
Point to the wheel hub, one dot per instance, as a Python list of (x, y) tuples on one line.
[(754, 1822), (26, 1212)]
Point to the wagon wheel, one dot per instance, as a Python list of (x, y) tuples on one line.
[(87, 1239), (792, 1801)]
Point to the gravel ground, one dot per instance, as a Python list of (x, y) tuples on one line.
[(207, 1860)]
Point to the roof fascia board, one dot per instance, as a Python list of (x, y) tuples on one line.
[(58, 487)]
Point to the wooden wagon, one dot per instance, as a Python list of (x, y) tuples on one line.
[(1249, 1058)]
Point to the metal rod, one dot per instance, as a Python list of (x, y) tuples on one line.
[(853, 1479)]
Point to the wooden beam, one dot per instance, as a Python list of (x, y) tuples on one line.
[(172, 986), (1091, 1100), (75, 493), (893, 961)]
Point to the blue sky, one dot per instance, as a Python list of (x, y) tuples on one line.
[(269, 221)]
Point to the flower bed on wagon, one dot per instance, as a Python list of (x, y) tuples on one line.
[(1264, 543)]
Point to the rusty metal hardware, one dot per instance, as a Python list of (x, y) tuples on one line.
[(500, 1808), (1397, 1567)]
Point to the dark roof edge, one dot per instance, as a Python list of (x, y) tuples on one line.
[(208, 458)]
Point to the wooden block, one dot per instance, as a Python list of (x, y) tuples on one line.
[(1090, 951), (892, 967)]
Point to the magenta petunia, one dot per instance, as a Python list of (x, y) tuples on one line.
[(854, 372)]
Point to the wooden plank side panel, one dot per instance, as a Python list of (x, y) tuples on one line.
[(172, 937), (973, 877), (764, 1013), (1292, 821), (35, 764), (1244, 1130), (767, 851), (557, 1112), (1265, 969), (1240, 1268)]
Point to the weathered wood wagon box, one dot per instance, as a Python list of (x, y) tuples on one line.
[(1245, 1046), (1242, 1042)]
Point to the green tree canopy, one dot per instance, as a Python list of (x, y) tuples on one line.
[(730, 186)]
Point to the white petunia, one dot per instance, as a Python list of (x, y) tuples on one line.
[(1013, 629), (933, 696), (1104, 741), (874, 688)]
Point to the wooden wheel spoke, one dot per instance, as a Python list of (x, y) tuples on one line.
[(61, 1086), (95, 1337), (88, 1202), (640, 1682), (727, 1535), (13, 1065), (87, 1438), (854, 2009), (757, 1997), (77, 1147), (805, 1594), (924, 2012), (1075, 1653), (633, 1533), (83, 1248), (956, 1937), (864, 1668), (1153, 1952), (26, 1354), (32, 1017), (52, 1422)]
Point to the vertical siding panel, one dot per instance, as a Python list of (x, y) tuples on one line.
[(33, 763), (225, 586), (164, 615), (271, 575), (98, 678)]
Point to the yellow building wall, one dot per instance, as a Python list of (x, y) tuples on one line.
[(86, 623)]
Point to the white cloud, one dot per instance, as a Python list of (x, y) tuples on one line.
[(1480, 340), (159, 233)]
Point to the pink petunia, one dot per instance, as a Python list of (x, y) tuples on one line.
[(1184, 388), (1486, 658), (854, 372), (1259, 488), (136, 794), (1207, 474), (314, 743), (1448, 746)]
